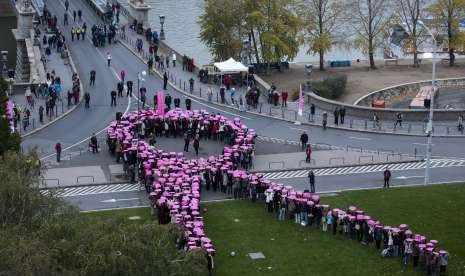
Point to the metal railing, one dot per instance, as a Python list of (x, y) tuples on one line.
[(336, 158), (277, 162), (85, 176)]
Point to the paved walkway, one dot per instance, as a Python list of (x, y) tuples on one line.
[(179, 78), (62, 68)]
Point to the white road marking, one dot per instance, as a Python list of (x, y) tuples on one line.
[(408, 177), (360, 138), (119, 199), (93, 190), (363, 169), (299, 129)]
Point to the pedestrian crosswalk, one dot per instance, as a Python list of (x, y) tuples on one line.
[(267, 139), (92, 190), (435, 163)]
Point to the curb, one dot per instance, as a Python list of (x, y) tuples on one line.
[(85, 185), (335, 166), (271, 117), (391, 187), (81, 87)]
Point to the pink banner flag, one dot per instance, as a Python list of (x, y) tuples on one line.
[(161, 102), (301, 100)]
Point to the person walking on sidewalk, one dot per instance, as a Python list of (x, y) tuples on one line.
[(41, 114), (87, 100), (58, 150), (165, 80), (74, 15), (79, 13), (336, 116), (312, 112), (284, 95), (120, 88), (303, 140), (311, 179), (65, 19), (108, 59), (342, 114), (93, 143), (66, 5), (308, 153), (387, 177), (173, 58), (191, 85), (325, 119), (399, 118), (92, 77)]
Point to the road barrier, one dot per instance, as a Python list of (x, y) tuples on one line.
[(277, 162), (336, 158), (85, 176), (311, 161), (394, 154), (45, 180), (365, 156)]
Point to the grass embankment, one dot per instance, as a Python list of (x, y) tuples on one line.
[(244, 227)]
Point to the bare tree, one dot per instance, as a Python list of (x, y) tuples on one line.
[(371, 19), (409, 13), (322, 19)]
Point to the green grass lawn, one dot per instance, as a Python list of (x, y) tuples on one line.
[(244, 227)]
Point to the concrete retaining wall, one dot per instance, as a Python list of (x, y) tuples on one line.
[(383, 113), (400, 92)]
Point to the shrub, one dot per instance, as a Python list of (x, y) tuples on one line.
[(332, 87)]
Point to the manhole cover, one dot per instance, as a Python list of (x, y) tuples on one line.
[(256, 255)]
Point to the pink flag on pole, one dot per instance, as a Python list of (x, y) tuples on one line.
[(161, 102), (301, 100)]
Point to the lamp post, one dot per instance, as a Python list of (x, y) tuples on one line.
[(140, 78), (162, 31), (429, 127), (4, 67)]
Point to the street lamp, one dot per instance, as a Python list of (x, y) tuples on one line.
[(162, 32), (4, 61), (429, 127), (140, 78)]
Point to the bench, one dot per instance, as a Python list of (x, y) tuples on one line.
[(339, 63), (392, 60)]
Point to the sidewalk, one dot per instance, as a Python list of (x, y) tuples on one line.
[(179, 79), (325, 158), (64, 69)]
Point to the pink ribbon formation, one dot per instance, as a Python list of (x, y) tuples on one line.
[(176, 180)]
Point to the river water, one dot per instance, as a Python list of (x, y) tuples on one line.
[(182, 32)]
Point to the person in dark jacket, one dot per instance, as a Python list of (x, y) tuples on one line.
[(387, 177), (342, 114), (165, 80), (304, 140)]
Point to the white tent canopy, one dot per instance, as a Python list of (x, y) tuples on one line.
[(230, 66)]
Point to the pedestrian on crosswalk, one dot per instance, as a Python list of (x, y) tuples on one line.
[(387, 177), (311, 179)]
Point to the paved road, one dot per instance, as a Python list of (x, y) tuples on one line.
[(127, 195), (78, 126)]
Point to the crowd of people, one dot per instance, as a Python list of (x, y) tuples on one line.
[(175, 184)]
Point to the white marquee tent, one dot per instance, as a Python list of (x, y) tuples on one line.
[(230, 66)]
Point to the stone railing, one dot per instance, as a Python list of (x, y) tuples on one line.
[(394, 94), (383, 113)]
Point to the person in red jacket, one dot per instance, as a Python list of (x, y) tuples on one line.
[(308, 152), (284, 95), (58, 151)]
